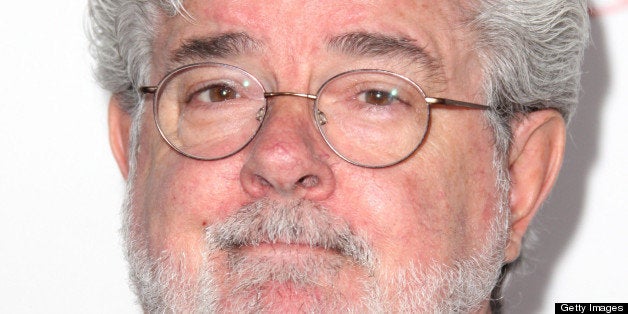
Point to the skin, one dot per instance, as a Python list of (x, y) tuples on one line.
[(435, 206)]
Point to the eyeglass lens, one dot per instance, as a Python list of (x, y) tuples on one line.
[(373, 118), (369, 118)]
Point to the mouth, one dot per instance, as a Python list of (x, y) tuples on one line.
[(287, 230), (294, 249), (286, 250)]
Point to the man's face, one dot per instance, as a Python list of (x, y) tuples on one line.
[(231, 223)]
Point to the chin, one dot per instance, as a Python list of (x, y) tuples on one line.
[(274, 257)]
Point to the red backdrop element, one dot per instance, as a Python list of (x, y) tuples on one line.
[(596, 10)]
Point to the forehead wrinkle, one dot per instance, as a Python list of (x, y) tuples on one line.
[(200, 49), (363, 44)]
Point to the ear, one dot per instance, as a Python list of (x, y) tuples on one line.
[(535, 158), (119, 126)]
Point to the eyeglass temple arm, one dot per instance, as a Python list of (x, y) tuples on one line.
[(451, 102), (148, 89)]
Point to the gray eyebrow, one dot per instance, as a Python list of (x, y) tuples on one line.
[(381, 45), (221, 46)]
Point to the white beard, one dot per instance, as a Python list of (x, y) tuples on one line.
[(164, 285)]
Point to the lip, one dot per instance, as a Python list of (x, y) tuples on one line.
[(282, 248)]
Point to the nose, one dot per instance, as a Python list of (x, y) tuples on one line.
[(288, 157)]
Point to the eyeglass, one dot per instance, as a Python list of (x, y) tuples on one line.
[(370, 118)]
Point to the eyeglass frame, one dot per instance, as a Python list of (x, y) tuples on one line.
[(155, 91)]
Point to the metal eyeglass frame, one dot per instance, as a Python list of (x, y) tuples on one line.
[(318, 116)]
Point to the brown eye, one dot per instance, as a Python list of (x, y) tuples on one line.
[(377, 97), (217, 93)]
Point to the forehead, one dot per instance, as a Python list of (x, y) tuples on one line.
[(282, 15), (294, 33)]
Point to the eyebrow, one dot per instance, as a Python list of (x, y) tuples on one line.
[(381, 45), (221, 46), (364, 44)]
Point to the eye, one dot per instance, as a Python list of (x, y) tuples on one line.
[(378, 97), (217, 93)]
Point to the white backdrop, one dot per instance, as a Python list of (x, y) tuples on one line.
[(60, 190)]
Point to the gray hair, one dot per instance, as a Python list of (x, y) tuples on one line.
[(531, 53), (121, 33)]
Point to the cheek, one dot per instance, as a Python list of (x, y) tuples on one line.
[(434, 207), (181, 196), (405, 218)]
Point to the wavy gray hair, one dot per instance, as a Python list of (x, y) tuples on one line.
[(530, 50)]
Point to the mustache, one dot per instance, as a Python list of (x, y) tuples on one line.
[(299, 222)]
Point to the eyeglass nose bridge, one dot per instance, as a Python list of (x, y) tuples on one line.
[(303, 95), (320, 117)]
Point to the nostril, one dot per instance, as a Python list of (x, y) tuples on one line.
[(262, 181), (308, 181)]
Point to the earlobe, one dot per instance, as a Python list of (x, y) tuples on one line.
[(119, 126), (534, 163)]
